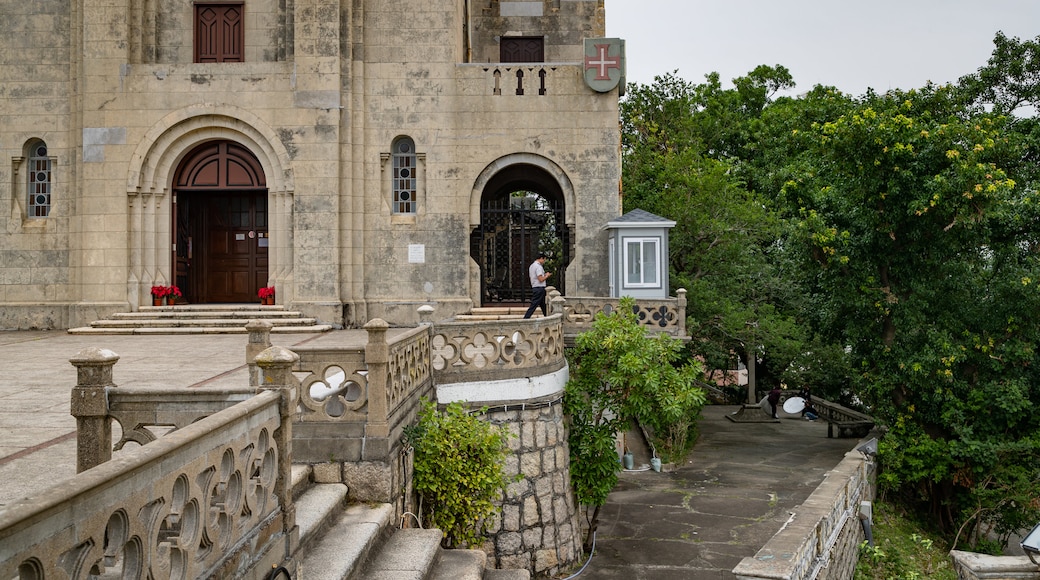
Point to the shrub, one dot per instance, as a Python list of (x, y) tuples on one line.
[(458, 471), (620, 373)]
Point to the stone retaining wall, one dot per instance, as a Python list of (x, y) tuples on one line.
[(821, 539), (538, 526)]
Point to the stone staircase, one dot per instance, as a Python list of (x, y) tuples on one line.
[(202, 319), (496, 313), (361, 542)]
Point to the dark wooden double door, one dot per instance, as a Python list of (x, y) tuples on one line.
[(221, 217)]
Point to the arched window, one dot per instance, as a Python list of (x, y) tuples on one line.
[(404, 176), (39, 181)]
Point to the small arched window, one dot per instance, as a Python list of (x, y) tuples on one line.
[(404, 176), (39, 181)]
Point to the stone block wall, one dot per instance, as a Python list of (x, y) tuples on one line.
[(538, 526)]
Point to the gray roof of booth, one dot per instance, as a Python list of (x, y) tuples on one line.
[(640, 218)]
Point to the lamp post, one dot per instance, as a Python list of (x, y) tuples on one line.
[(752, 354)]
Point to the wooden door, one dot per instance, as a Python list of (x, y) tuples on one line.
[(235, 261), (220, 224)]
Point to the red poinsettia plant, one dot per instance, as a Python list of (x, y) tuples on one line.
[(161, 291), (266, 292), (173, 291)]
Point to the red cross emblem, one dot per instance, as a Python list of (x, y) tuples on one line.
[(602, 63)]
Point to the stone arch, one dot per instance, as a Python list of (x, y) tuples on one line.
[(514, 159), (163, 146), (150, 177), (517, 203)]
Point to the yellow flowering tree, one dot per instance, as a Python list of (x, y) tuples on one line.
[(924, 252)]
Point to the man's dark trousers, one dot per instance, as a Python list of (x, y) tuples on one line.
[(537, 299)]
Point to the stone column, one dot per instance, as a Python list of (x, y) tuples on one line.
[(377, 359), (276, 365), (426, 314), (259, 341), (557, 304), (90, 406), (681, 294)]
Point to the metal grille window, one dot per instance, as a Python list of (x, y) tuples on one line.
[(404, 182), (39, 181)]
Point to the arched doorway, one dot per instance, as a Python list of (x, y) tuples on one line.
[(220, 223), (522, 212)]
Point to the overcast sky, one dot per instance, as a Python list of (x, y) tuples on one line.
[(851, 45)]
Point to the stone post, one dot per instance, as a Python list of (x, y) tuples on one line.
[(377, 359), (276, 365), (556, 304), (90, 406), (681, 294), (426, 314), (259, 341)]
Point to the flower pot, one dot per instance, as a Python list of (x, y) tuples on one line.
[(171, 300), (156, 301), (267, 301)]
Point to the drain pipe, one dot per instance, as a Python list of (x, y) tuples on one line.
[(866, 518)]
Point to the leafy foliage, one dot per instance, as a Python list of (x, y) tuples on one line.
[(904, 549), (912, 232), (884, 249), (619, 373), (682, 148), (459, 473)]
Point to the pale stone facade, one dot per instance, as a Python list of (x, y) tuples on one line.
[(323, 91)]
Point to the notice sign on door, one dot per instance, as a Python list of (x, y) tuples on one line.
[(416, 254)]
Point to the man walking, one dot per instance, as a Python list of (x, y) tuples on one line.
[(538, 277)]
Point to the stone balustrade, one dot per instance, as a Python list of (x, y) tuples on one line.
[(206, 500), (488, 350), (661, 315), (520, 79), (974, 566)]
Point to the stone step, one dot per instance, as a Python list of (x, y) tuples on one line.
[(185, 322), (88, 330), (498, 310), (202, 319), (301, 479), (343, 549), (460, 565), (317, 509), (175, 313), (228, 307), (409, 553), (509, 574)]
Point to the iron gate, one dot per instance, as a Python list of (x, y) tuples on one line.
[(511, 233)]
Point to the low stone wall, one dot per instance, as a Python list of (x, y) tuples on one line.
[(821, 539), (972, 566)]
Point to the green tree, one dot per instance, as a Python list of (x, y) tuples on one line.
[(619, 374), (917, 249), (683, 145)]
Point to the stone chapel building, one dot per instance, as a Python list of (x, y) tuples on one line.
[(363, 157)]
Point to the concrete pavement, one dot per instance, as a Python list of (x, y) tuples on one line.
[(732, 495), (698, 521)]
